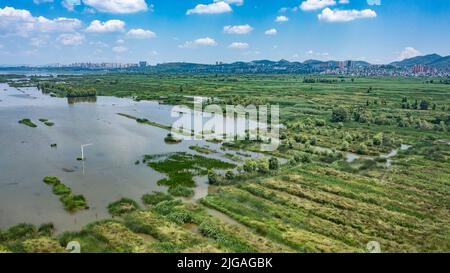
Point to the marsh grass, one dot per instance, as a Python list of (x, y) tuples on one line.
[(181, 168), (72, 203), (122, 206), (28, 123)]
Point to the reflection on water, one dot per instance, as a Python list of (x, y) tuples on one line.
[(73, 100), (110, 173)]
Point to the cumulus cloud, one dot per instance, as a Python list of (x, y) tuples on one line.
[(316, 4), (238, 45), (213, 8), (409, 52), (329, 15), (74, 39), (240, 29), (108, 26), (70, 4), (37, 2), (119, 49), (281, 19), (272, 31), (140, 33), (207, 41), (232, 2), (20, 22), (118, 6)]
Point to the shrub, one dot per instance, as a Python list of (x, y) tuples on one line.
[(61, 189), (181, 191), (156, 198), (340, 114), (46, 229), (20, 231), (250, 165), (362, 149), (122, 206), (274, 163), (51, 180), (263, 165)]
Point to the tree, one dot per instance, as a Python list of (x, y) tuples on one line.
[(273, 163), (250, 165), (340, 114), (378, 139), (213, 178), (263, 165), (424, 105)]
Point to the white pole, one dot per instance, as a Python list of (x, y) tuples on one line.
[(82, 154), (82, 150)]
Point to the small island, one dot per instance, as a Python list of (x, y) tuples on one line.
[(72, 203)]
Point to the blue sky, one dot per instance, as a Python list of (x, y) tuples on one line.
[(206, 31)]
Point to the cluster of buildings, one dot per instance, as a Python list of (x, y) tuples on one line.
[(90, 65)]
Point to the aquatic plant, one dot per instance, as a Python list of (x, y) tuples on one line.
[(156, 198), (28, 123), (122, 206), (72, 203), (181, 191)]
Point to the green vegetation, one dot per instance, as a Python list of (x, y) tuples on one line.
[(202, 150), (170, 139), (338, 191), (64, 90), (122, 206), (156, 198), (28, 123), (72, 203), (181, 168), (181, 191)]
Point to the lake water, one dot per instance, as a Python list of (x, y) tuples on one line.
[(109, 172)]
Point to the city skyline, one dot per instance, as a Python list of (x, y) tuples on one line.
[(38, 32)]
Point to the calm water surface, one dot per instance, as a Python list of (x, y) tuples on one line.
[(109, 172)]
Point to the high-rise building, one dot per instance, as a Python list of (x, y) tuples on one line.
[(143, 64)]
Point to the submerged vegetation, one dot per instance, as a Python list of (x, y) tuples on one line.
[(72, 203), (28, 123), (181, 168)]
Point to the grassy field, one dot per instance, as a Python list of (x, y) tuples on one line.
[(317, 202)]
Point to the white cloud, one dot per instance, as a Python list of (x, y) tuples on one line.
[(238, 45), (272, 31), (281, 19), (241, 29), (74, 39), (199, 42), (119, 49), (232, 2), (409, 52), (374, 2), (99, 44), (329, 15), (37, 2), (118, 6), (70, 4), (108, 26), (20, 22), (139, 33), (316, 4), (39, 41), (213, 8)]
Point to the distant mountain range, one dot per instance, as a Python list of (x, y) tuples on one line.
[(432, 60), (433, 64)]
